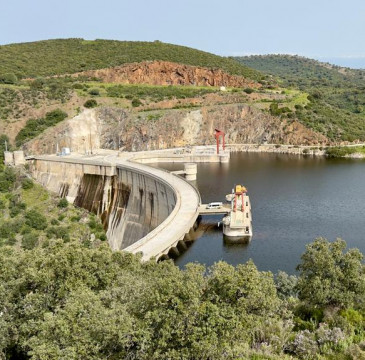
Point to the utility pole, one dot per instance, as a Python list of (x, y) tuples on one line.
[(6, 146)]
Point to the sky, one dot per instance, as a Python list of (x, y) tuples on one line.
[(322, 29)]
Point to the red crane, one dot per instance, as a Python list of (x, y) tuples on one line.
[(218, 134)]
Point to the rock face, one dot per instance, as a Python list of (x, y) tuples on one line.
[(168, 73), (113, 128)]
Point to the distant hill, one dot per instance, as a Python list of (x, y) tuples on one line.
[(337, 94), (55, 57), (298, 70)]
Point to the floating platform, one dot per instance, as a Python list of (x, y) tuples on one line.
[(237, 225)]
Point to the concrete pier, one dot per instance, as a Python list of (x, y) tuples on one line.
[(191, 170)]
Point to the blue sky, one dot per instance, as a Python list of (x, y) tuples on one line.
[(322, 29)]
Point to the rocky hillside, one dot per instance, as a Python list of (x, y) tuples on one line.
[(110, 128), (168, 73), (155, 95)]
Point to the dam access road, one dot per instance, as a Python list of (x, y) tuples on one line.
[(146, 210)]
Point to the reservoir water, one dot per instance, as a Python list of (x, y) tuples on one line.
[(294, 200)]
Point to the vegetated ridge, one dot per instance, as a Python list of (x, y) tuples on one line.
[(67, 56), (337, 94)]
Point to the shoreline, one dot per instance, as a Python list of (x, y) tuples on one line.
[(292, 149)]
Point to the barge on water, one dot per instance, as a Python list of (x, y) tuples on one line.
[(237, 225)]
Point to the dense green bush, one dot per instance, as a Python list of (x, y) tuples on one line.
[(91, 103), (276, 111), (331, 277), (63, 203), (95, 92), (67, 298), (29, 241), (34, 127), (35, 220), (27, 183), (9, 78), (59, 232), (341, 151), (7, 179), (248, 90), (136, 102)]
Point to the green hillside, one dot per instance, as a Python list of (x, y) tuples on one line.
[(31, 217), (54, 57), (301, 71), (337, 106)]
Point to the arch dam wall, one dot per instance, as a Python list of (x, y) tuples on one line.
[(132, 202)]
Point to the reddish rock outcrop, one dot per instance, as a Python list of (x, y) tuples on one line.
[(168, 73)]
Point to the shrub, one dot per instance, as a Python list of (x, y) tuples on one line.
[(29, 241), (248, 90), (7, 179), (94, 92), (27, 184), (35, 220), (5, 231), (102, 237), (34, 127), (136, 102), (59, 232), (323, 270), (63, 203), (91, 103), (55, 222), (9, 78), (339, 151), (77, 86), (37, 84)]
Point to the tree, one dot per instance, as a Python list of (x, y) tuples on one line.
[(331, 277), (286, 284), (100, 332)]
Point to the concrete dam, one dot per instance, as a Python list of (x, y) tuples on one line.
[(143, 209), (131, 204)]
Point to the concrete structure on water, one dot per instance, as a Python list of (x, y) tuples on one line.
[(237, 224)]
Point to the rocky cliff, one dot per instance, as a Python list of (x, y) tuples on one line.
[(168, 73), (114, 128)]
